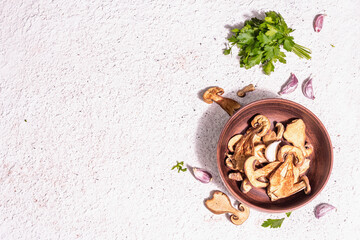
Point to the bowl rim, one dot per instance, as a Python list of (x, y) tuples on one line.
[(222, 174)]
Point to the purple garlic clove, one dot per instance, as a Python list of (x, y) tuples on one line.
[(202, 175), (307, 88), (318, 22), (290, 85), (322, 209)]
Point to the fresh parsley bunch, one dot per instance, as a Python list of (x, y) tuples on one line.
[(259, 42)]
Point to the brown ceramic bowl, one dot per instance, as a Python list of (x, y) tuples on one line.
[(279, 110)]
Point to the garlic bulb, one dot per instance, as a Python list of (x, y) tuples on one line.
[(202, 175), (271, 150), (322, 209)]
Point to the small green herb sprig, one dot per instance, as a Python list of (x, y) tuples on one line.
[(259, 42), (275, 223), (179, 166)]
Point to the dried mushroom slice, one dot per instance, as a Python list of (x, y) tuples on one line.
[(308, 149), (246, 186), (295, 134), (245, 147), (214, 95), (291, 150), (261, 123), (269, 137), (282, 180), (254, 174), (229, 163), (259, 151), (220, 203), (235, 176), (233, 141)]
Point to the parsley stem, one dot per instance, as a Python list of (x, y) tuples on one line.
[(301, 51)]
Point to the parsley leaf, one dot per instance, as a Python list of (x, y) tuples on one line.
[(179, 166), (268, 68), (272, 30), (260, 42), (227, 51), (273, 223), (288, 214)]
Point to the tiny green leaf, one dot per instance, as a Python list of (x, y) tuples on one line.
[(227, 51), (288, 214), (273, 223), (179, 166), (232, 39), (235, 30), (332, 45)]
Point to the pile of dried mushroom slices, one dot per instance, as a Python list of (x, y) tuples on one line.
[(261, 159)]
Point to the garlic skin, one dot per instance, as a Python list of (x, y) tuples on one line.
[(318, 22), (271, 151), (202, 175), (290, 85), (307, 89), (322, 209)]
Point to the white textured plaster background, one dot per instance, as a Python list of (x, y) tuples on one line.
[(109, 91)]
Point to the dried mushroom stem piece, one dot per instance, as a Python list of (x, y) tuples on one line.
[(233, 141), (271, 136), (259, 151), (261, 123), (301, 171), (280, 131), (248, 88), (214, 95), (246, 186), (304, 167), (291, 150), (220, 203), (229, 163), (308, 149), (254, 175), (302, 185), (235, 176)]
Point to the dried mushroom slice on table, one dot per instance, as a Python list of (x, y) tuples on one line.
[(214, 95), (220, 203), (249, 88)]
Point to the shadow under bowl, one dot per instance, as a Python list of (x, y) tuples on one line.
[(279, 110)]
